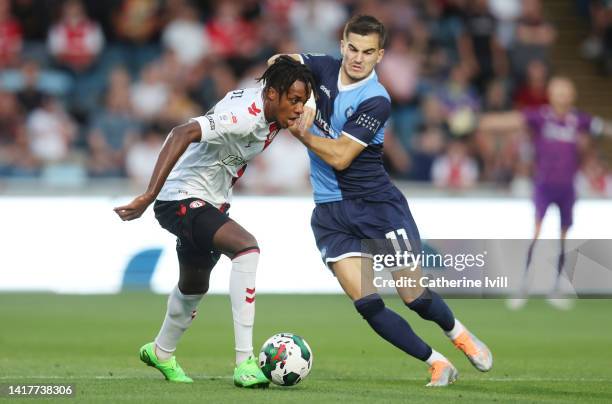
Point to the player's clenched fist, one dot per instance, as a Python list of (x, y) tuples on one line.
[(299, 127)]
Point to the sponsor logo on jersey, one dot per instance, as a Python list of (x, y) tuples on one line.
[(211, 122), (324, 126), (253, 110), (228, 117), (233, 161), (197, 204), (325, 90)]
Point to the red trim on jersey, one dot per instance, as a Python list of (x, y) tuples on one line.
[(273, 131), (239, 174)]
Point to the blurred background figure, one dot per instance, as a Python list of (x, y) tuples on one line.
[(117, 69)]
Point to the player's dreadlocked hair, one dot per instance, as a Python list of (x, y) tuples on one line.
[(284, 72)]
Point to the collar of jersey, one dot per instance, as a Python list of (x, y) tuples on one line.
[(348, 87)]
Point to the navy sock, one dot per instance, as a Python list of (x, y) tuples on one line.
[(432, 307), (391, 326)]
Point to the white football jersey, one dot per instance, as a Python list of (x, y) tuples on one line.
[(233, 133)]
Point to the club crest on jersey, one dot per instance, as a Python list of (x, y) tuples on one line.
[(253, 110), (197, 204), (348, 112)]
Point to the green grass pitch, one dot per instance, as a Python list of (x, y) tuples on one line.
[(541, 354)]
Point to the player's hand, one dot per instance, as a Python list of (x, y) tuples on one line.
[(300, 126), (134, 209)]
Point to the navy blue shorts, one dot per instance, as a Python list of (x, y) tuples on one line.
[(341, 227)]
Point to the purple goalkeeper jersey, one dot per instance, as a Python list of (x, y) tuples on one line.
[(555, 141)]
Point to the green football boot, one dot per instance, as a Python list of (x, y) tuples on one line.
[(248, 374), (169, 368)]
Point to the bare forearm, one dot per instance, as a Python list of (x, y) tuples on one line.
[(326, 149), (177, 142)]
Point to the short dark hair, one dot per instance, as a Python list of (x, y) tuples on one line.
[(284, 72), (365, 25)]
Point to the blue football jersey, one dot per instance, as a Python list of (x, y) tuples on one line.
[(358, 110)]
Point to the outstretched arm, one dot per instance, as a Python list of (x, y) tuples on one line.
[(338, 153), (175, 145), (502, 121)]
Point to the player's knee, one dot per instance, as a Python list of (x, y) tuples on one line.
[(369, 306), (193, 288)]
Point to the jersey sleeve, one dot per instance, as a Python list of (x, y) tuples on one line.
[(221, 127), (588, 124), (370, 117), (320, 65)]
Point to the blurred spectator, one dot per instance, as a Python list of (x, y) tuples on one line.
[(11, 118), (506, 12), (142, 155), (598, 45), (399, 72), (455, 169), (112, 129), (178, 108), (534, 37), (429, 144), (17, 159), (150, 94), (594, 178), (496, 96), (75, 41), (485, 54), (232, 36), (317, 25), (137, 24), (396, 157), (11, 36), (532, 92), (446, 28), (460, 100), (30, 96), (51, 131), (186, 36)]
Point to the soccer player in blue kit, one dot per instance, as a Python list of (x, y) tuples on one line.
[(355, 199)]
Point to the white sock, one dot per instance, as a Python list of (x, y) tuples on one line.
[(435, 356), (180, 313), (456, 331), (242, 295)]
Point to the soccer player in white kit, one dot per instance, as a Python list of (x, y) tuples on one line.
[(191, 186)]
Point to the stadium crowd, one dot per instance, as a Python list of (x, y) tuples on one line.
[(89, 89)]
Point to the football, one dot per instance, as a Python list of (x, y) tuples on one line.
[(285, 359)]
